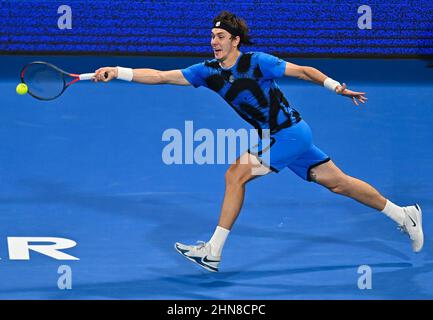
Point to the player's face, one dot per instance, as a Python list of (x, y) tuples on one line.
[(222, 43)]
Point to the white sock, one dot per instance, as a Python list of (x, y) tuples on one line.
[(395, 212), (217, 241)]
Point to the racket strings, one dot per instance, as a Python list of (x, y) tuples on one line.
[(43, 81)]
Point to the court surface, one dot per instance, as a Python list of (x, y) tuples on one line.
[(88, 167)]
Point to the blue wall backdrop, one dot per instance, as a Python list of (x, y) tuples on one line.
[(287, 28)]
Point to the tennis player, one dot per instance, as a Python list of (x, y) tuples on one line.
[(247, 82)]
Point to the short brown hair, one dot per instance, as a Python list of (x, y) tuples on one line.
[(236, 23)]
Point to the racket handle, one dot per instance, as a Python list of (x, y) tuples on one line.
[(89, 76), (86, 76)]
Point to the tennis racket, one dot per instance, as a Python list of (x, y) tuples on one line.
[(46, 82)]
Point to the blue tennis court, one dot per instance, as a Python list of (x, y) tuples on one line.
[(88, 167)]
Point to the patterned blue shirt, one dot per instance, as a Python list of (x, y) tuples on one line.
[(249, 87)]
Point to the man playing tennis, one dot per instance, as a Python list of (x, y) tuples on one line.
[(247, 82)]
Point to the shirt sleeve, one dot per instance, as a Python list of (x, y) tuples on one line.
[(271, 66), (195, 74)]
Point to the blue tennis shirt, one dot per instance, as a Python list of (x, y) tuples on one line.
[(249, 87)]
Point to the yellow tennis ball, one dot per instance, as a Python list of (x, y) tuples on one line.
[(22, 88)]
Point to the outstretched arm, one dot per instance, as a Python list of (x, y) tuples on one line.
[(146, 76), (314, 75)]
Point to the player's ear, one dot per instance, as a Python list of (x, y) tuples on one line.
[(236, 40)]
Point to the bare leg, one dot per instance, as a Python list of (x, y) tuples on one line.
[(237, 176), (335, 180), (208, 255), (331, 177)]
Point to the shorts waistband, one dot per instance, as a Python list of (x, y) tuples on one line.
[(286, 124)]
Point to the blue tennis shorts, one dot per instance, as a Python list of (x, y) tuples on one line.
[(293, 148)]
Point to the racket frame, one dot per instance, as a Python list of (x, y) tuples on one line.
[(76, 78)]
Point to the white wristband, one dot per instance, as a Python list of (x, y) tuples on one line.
[(124, 74), (331, 84)]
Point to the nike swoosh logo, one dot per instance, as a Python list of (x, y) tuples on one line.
[(201, 261), (414, 224), (205, 259)]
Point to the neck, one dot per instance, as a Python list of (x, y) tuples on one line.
[(231, 59)]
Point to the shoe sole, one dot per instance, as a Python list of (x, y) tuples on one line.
[(420, 224), (195, 261)]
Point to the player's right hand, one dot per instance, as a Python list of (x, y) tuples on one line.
[(100, 74)]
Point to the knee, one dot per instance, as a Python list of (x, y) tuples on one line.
[(236, 177)]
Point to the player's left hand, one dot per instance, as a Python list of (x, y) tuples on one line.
[(355, 96)]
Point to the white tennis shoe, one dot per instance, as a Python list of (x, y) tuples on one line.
[(412, 226), (200, 254)]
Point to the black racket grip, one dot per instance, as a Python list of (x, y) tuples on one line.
[(106, 74)]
